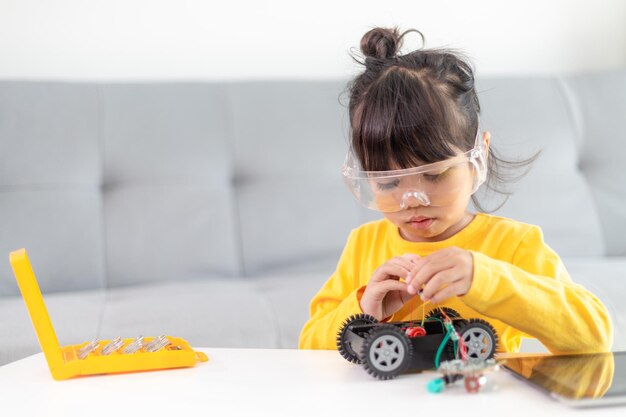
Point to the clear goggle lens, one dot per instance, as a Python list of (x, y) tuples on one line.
[(437, 184)]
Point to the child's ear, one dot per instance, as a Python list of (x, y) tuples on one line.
[(486, 141)]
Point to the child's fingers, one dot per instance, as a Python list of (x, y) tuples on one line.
[(434, 259), (417, 264), (411, 257), (390, 285), (449, 291), (387, 270), (425, 269), (403, 262), (403, 265), (438, 281)]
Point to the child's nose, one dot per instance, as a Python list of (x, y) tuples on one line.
[(414, 198)]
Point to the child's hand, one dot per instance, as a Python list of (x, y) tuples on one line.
[(443, 274), (385, 293)]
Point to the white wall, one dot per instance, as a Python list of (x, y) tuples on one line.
[(236, 39)]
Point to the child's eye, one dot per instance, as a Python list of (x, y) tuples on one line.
[(436, 177), (387, 185)]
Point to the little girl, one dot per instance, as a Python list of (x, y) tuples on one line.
[(417, 155)]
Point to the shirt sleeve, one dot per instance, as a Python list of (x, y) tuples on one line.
[(333, 304), (536, 295)]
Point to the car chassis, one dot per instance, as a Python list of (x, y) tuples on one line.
[(387, 350)]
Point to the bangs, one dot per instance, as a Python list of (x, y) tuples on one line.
[(404, 121)]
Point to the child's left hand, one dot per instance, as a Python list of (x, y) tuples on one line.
[(443, 274)]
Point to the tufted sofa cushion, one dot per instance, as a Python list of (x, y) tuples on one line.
[(290, 142), (169, 209), (50, 183), (530, 115)]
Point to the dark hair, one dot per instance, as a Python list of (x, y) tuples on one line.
[(417, 108)]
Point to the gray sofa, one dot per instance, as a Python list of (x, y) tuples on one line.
[(214, 211)]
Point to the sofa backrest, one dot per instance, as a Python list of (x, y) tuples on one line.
[(110, 184), (599, 114), (50, 184), (576, 190)]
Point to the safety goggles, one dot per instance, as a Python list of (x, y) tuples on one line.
[(437, 184)]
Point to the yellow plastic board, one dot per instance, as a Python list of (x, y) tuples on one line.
[(65, 361)]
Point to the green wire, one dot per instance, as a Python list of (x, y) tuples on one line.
[(440, 350)]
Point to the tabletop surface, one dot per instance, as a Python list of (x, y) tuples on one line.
[(272, 382)]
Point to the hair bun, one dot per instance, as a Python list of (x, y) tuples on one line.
[(381, 43)]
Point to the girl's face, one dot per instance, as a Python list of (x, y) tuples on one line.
[(431, 224), (419, 223)]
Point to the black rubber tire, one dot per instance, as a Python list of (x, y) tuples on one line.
[(452, 313), (343, 346)]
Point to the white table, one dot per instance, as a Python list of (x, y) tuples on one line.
[(242, 382)]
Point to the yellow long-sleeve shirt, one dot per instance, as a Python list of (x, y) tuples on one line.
[(520, 286)]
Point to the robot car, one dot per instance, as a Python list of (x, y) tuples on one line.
[(388, 349)]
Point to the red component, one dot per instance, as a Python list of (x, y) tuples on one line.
[(416, 331), (472, 384)]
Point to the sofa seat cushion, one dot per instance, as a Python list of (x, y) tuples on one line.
[(290, 295), (74, 315), (216, 313)]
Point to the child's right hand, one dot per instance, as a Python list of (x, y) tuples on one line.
[(385, 293)]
